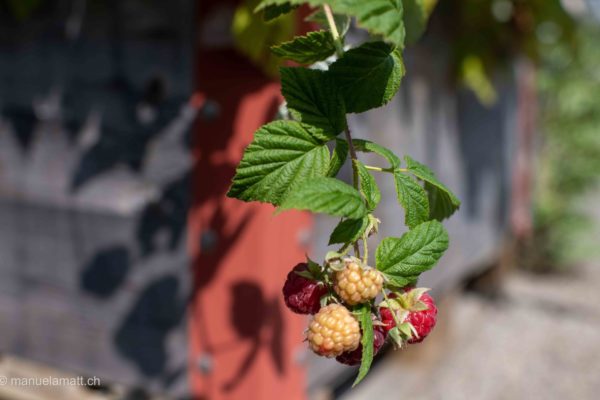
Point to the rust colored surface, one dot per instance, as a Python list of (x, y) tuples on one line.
[(243, 342)]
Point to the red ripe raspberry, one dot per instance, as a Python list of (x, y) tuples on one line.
[(302, 295), (423, 321), (355, 357)]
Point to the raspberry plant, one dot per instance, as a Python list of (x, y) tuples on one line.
[(289, 165)]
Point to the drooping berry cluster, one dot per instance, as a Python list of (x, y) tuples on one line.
[(332, 292)]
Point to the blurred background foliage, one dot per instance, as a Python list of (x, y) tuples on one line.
[(487, 35), (569, 159), (253, 35)]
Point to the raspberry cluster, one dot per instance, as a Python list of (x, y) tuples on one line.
[(332, 293)]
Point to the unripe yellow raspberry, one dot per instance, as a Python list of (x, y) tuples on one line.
[(333, 331), (355, 284)]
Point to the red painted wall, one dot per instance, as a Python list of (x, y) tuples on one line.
[(243, 341)]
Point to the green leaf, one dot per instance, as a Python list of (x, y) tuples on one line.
[(413, 198), (315, 46), (400, 281), (368, 76), (282, 155), (367, 146), (416, 251), (415, 19), (313, 98), (381, 17), (326, 195), (264, 3), (442, 202), (349, 230), (367, 342), (368, 187), (340, 153), (274, 11)]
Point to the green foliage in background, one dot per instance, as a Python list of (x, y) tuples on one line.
[(569, 163), (486, 36), (254, 36)]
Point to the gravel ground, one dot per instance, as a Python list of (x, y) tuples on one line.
[(542, 341)]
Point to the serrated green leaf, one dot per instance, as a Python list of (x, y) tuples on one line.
[(367, 146), (415, 19), (442, 202), (413, 198), (276, 10), (263, 4), (416, 251), (349, 230), (338, 157), (401, 282), (368, 76), (312, 98), (367, 342), (368, 187), (315, 46), (282, 155), (381, 17), (326, 195)]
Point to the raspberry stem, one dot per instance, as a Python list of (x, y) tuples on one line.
[(365, 249), (339, 46), (390, 170)]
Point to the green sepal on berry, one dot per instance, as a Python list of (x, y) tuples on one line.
[(313, 271)]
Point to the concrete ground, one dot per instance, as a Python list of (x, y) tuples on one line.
[(541, 341)]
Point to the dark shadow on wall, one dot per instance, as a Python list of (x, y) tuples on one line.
[(106, 272), (23, 121), (141, 337), (256, 321), (142, 115), (167, 214)]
